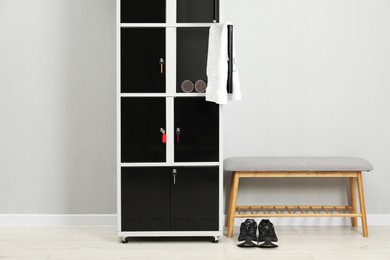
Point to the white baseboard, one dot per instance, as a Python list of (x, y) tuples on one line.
[(111, 219), (57, 219)]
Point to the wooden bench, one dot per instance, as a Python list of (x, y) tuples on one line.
[(297, 167)]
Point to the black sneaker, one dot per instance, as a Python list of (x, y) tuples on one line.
[(267, 236), (247, 237)]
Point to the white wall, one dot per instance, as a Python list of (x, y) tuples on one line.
[(57, 106), (315, 81)]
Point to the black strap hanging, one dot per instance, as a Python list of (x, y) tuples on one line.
[(230, 59)]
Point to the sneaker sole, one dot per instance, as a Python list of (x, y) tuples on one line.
[(247, 243), (268, 244)]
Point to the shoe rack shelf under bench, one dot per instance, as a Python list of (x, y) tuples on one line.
[(295, 211)]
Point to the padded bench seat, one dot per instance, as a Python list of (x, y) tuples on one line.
[(284, 167)]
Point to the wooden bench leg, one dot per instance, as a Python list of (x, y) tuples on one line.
[(232, 203), (362, 204), (353, 200)]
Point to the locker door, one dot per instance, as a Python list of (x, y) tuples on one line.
[(196, 123), (194, 199), (192, 46), (197, 11), (145, 199), (143, 60), (141, 121), (143, 11)]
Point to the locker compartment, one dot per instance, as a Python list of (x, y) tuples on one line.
[(192, 47), (141, 121), (194, 199), (197, 11), (142, 60), (145, 11), (145, 199), (197, 130), (170, 198)]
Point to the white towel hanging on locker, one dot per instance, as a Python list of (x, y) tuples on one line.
[(217, 67)]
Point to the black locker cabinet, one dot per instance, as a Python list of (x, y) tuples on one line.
[(169, 150)]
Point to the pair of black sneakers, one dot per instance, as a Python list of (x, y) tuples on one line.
[(267, 236)]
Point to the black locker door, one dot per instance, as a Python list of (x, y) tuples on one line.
[(141, 121), (143, 60), (143, 11), (145, 194), (197, 11), (194, 198), (192, 47), (196, 124)]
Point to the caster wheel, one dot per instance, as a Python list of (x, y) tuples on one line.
[(124, 241), (215, 240)]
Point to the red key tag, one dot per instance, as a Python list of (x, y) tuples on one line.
[(163, 136)]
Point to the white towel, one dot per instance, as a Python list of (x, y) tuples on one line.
[(217, 67)]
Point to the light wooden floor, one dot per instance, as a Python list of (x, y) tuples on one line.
[(101, 243)]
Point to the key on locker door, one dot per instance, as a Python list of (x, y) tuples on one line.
[(174, 173), (178, 135), (164, 136), (161, 65)]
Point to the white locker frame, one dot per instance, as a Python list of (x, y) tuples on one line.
[(170, 63)]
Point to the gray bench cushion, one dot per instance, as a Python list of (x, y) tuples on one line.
[(296, 164)]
